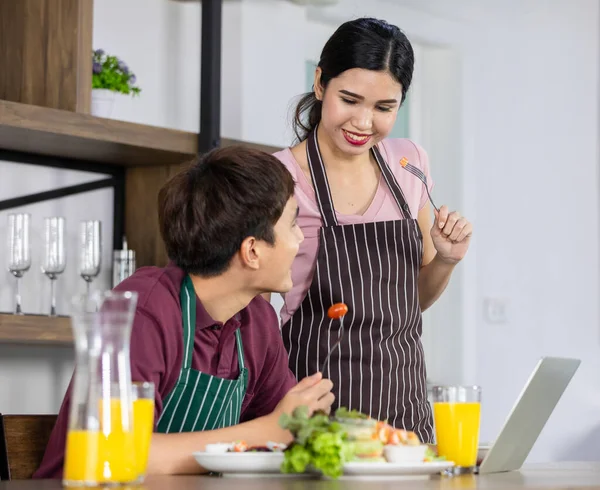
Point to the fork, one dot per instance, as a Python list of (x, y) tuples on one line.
[(337, 343), (420, 175)]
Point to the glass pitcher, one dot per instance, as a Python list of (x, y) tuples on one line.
[(100, 447)]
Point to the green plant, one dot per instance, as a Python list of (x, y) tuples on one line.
[(109, 72)]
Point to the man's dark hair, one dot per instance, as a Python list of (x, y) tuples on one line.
[(208, 210)]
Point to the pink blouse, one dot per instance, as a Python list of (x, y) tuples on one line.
[(382, 208)]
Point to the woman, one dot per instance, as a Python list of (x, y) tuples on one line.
[(369, 237)]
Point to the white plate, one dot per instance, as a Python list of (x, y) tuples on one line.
[(240, 462), (396, 469), (269, 464)]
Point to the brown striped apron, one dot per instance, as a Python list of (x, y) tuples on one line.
[(379, 366)]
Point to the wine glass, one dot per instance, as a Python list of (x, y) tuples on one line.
[(90, 251), (54, 254), (20, 251)]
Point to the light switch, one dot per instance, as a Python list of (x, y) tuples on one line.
[(495, 310)]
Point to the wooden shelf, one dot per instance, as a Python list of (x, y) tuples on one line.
[(35, 329), (65, 134)]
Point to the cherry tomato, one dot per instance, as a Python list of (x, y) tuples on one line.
[(337, 310)]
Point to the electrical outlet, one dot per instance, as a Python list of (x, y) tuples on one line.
[(495, 310)]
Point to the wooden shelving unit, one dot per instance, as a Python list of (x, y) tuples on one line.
[(150, 155), (45, 120), (35, 330)]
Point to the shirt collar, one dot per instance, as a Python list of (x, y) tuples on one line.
[(204, 320)]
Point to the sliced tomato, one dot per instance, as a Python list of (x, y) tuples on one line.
[(240, 447)]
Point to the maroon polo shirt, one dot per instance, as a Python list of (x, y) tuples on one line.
[(157, 352)]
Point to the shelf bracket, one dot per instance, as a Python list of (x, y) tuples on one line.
[(56, 193), (116, 181)]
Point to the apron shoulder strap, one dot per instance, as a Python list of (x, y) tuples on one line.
[(391, 182), (319, 178), (187, 296), (240, 349)]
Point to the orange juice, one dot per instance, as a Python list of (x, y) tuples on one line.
[(108, 455), (81, 456), (143, 423), (457, 431), (93, 457)]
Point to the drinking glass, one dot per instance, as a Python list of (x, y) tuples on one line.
[(90, 251), (457, 410), (143, 423), (19, 249), (54, 261)]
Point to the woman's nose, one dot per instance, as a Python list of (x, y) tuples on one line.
[(363, 120)]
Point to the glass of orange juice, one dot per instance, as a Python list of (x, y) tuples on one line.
[(143, 423), (456, 410)]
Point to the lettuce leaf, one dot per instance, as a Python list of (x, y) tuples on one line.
[(319, 443)]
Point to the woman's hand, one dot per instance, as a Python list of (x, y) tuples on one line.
[(451, 235)]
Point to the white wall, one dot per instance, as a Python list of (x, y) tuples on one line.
[(527, 111), (536, 144), (434, 103)]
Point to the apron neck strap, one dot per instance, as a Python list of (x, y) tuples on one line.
[(319, 179), (187, 296), (321, 184), (240, 349), (392, 183)]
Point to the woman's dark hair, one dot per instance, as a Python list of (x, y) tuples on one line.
[(367, 43), (206, 211)]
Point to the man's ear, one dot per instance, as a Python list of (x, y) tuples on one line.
[(250, 253)]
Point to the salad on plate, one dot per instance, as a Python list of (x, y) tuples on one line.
[(326, 443)]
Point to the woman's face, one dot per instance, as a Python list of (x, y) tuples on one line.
[(359, 108)]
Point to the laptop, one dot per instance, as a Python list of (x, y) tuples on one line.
[(529, 415)]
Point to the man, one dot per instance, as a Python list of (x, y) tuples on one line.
[(229, 226)]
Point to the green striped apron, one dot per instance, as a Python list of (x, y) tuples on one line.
[(200, 401)]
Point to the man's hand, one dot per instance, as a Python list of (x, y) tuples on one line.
[(313, 391)]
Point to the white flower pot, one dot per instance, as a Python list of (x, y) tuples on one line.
[(103, 101)]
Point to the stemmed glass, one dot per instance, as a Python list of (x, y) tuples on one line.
[(90, 251), (54, 254), (20, 251)]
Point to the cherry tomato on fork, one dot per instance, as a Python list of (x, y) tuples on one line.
[(337, 310)]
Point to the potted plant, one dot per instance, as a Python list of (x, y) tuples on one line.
[(110, 76)]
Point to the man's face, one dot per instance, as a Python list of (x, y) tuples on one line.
[(276, 263)]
